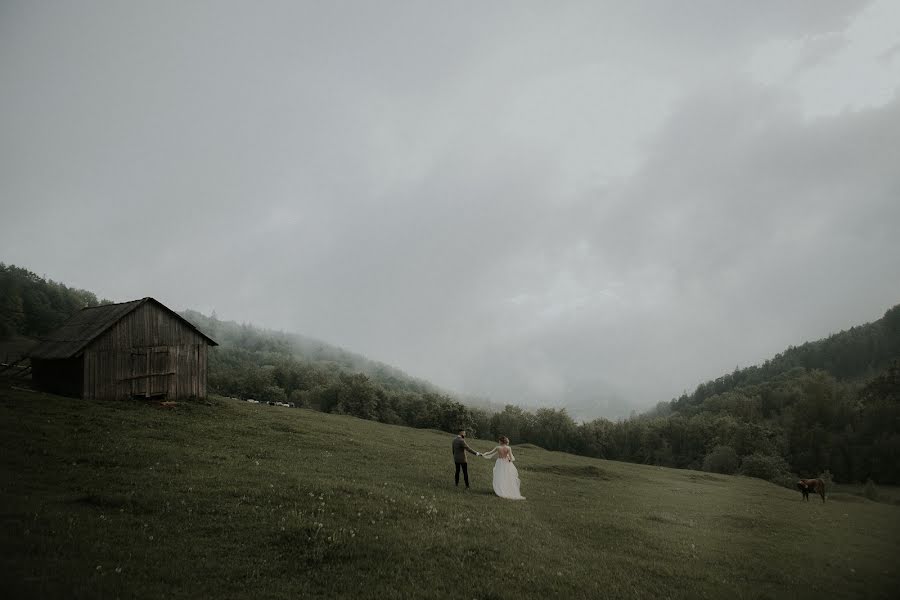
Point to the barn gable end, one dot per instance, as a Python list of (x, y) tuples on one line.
[(138, 349)]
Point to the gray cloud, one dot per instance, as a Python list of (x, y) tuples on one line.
[(590, 205), (819, 49), (890, 54)]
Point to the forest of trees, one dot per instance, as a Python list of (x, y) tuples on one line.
[(802, 422), (831, 405), (31, 306)]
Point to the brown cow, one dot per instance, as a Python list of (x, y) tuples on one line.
[(811, 485)]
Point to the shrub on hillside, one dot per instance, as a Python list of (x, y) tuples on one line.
[(786, 480), (722, 459), (301, 398), (763, 466), (273, 393), (828, 479), (871, 490)]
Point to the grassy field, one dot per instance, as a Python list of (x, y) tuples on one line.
[(226, 499)]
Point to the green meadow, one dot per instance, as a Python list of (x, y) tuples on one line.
[(225, 499)]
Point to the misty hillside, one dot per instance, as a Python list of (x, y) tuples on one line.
[(275, 344), (279, 367), (829, 407), (255, 363), (855, 355), (31, 306)]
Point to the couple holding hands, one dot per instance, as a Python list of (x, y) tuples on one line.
[(506, 476)]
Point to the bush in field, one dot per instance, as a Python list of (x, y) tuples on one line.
[(273, 393), (871, 490), (301, 398), (722, 459), (787, 480), (763, 466), (828, 479)]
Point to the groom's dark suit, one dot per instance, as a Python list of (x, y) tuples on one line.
[(460, 447)]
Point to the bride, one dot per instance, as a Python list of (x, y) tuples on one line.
[(506, 476)]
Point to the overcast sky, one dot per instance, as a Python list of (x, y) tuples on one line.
[(592, 204)]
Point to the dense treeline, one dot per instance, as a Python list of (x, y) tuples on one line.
[(802, 423), (859, 353), (827, 406), (32, 306)]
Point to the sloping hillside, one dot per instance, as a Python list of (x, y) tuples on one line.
[(275, 346), (252, 362), (853, 355), (228, 499), (815, 409)]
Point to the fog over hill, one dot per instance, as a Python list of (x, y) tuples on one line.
[(587, 205)]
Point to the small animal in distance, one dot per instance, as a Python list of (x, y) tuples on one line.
[(811, 485)]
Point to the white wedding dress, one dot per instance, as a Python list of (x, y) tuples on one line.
[(506, 476)]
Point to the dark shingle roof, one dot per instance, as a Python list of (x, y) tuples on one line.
[(88, 324)]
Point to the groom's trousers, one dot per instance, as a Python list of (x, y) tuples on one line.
[(465, 470)]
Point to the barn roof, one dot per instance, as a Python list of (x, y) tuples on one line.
[(90, 323)]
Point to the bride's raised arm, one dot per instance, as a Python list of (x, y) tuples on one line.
[(491, 453)]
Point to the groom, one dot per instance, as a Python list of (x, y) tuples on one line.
[(460, 447)]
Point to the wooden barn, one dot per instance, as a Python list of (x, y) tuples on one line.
[(138, 349)]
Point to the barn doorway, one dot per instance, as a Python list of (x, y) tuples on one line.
[(150, 372)]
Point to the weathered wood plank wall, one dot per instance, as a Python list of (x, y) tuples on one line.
[(147, 352)]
